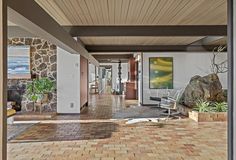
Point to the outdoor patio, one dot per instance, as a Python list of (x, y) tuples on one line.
[(102, 137)]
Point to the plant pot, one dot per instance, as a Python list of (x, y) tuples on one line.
[(208, 116), (41, 102)]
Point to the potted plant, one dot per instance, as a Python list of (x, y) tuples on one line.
[(206, 111), (38, 89)]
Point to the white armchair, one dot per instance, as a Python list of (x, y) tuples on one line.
[(170, 103)]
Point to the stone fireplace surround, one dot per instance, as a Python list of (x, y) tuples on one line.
[(43, 61)]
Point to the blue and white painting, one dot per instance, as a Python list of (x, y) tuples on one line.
[(19, 62)]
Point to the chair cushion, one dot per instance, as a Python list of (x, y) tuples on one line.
[(155, 99), (10, 112)]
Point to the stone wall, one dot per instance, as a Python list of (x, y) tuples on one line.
[(43, 64)]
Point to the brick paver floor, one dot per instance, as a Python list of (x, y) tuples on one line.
[(105, 138)]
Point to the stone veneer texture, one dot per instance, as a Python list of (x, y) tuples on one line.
[(43, 63)]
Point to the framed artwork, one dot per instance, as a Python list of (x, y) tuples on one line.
[(161, 72), (19, 62)]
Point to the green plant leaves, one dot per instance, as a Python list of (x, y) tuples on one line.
[(220, 107), (202, 106), (205, 106), (38, 87), (34, 98)]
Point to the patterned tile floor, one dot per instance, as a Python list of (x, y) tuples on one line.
[(97, 136), (114, 107)]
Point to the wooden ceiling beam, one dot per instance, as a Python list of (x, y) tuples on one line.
[(148, 48), (32, 18), (112, 56), (170, 30)]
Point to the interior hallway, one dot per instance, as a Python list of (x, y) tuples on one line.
[(95, 134), (108, 106)]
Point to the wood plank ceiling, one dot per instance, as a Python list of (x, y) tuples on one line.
[(221, 41), (137, 12)]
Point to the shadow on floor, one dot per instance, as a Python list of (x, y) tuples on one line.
[(66, 132), (13, 130), (139, 112)]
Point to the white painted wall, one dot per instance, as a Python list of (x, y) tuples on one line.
[(92, 74), (68, 78), (186, 65)]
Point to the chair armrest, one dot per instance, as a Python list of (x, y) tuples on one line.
[(172, 99), (168, 99)]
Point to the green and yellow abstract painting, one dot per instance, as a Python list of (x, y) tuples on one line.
[(161, 72)]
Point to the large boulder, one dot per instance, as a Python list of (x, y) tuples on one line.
[(206, 88)]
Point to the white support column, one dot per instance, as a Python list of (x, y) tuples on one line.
[(3, 79), (68, 86)]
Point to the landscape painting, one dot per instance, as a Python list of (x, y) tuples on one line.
[(19, 62), (161, 73)]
